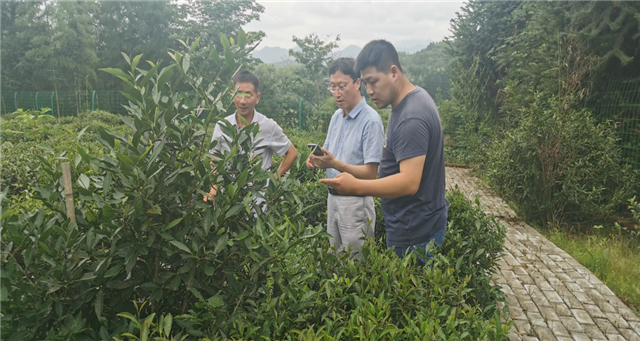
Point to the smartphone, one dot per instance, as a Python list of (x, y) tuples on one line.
[(315, 149)]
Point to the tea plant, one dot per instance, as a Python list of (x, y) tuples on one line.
[(35, 141), (143, 231)]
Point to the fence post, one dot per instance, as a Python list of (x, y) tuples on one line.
[(93, 101), (15, 100), (68, 191), (300, 115), (37, 107), (52, 108)]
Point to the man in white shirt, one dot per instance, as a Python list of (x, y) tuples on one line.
[(272, 139)]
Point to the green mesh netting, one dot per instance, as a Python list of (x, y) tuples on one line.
[(619, 101)]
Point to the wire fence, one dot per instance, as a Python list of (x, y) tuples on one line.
[(298, 115), (63, 103), (619, 101), (616, 100)]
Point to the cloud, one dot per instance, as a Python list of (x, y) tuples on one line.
[(357, 22)]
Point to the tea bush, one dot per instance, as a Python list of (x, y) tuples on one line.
[(320, 295), (34, 140), (225, 270), (560, 165), (473, 246)]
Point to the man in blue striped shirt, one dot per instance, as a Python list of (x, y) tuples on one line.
[(354, 145)]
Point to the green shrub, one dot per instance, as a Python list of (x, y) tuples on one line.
[(319, 295), (34, 142), (142, 229), (473, 246), (560, 165), (467, 134)]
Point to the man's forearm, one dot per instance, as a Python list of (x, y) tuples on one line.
[(394, 186), (366, 172), (288, 160)]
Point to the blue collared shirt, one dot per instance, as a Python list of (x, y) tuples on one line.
[(355, 138)]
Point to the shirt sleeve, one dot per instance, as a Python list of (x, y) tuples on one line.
[(372, 140), (217, 136), (411, 139), (327, 139), (280, 143)]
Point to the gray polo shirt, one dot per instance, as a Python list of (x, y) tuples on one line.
[(414, 129), (271, 139), (356, 138)]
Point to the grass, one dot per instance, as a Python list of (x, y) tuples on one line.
[(612, 255)]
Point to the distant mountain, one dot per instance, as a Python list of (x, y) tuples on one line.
[(350, 51), (279, 56), (411, 46), (271, 55)]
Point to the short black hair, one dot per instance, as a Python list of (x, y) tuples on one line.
[(378, 53), (247, 77), (346, 66)]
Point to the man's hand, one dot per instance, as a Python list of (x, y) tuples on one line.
[(326, 161), (287, 162), (310, 163), (344, 183), (211, 194), (407, 182)]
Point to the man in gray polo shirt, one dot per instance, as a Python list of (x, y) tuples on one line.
[(412, 172), (353, 144), (271, 139)]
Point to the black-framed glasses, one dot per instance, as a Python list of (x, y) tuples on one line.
[(340, 88)]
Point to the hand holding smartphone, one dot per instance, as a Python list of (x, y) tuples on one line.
[(315, 149)]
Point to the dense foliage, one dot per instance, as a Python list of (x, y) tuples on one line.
[(293, 99), (33, 142), (559, 164), (521, 109), (59, 45), (325, 296), (428, 69), (227, 269)]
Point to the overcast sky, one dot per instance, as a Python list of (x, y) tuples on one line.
[(357, 22)]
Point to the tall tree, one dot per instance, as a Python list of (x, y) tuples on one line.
[(543, 56), (565, 46), (22, 21), (315, 55), (428, 68), (73, 41), (134, 27), (612, 31), (213, 22), (208, 19), (478, 30), (48, 45)]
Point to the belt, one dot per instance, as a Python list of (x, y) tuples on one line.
[(333, 191)]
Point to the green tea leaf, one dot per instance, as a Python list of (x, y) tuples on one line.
[(180, 246), (221, 243)]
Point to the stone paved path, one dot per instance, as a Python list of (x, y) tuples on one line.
[(549, 294)]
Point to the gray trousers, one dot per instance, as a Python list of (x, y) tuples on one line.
[(350, 220)]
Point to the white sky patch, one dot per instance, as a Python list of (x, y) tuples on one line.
[(357, 22)]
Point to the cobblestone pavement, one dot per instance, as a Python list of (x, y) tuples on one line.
[(549, 294)]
